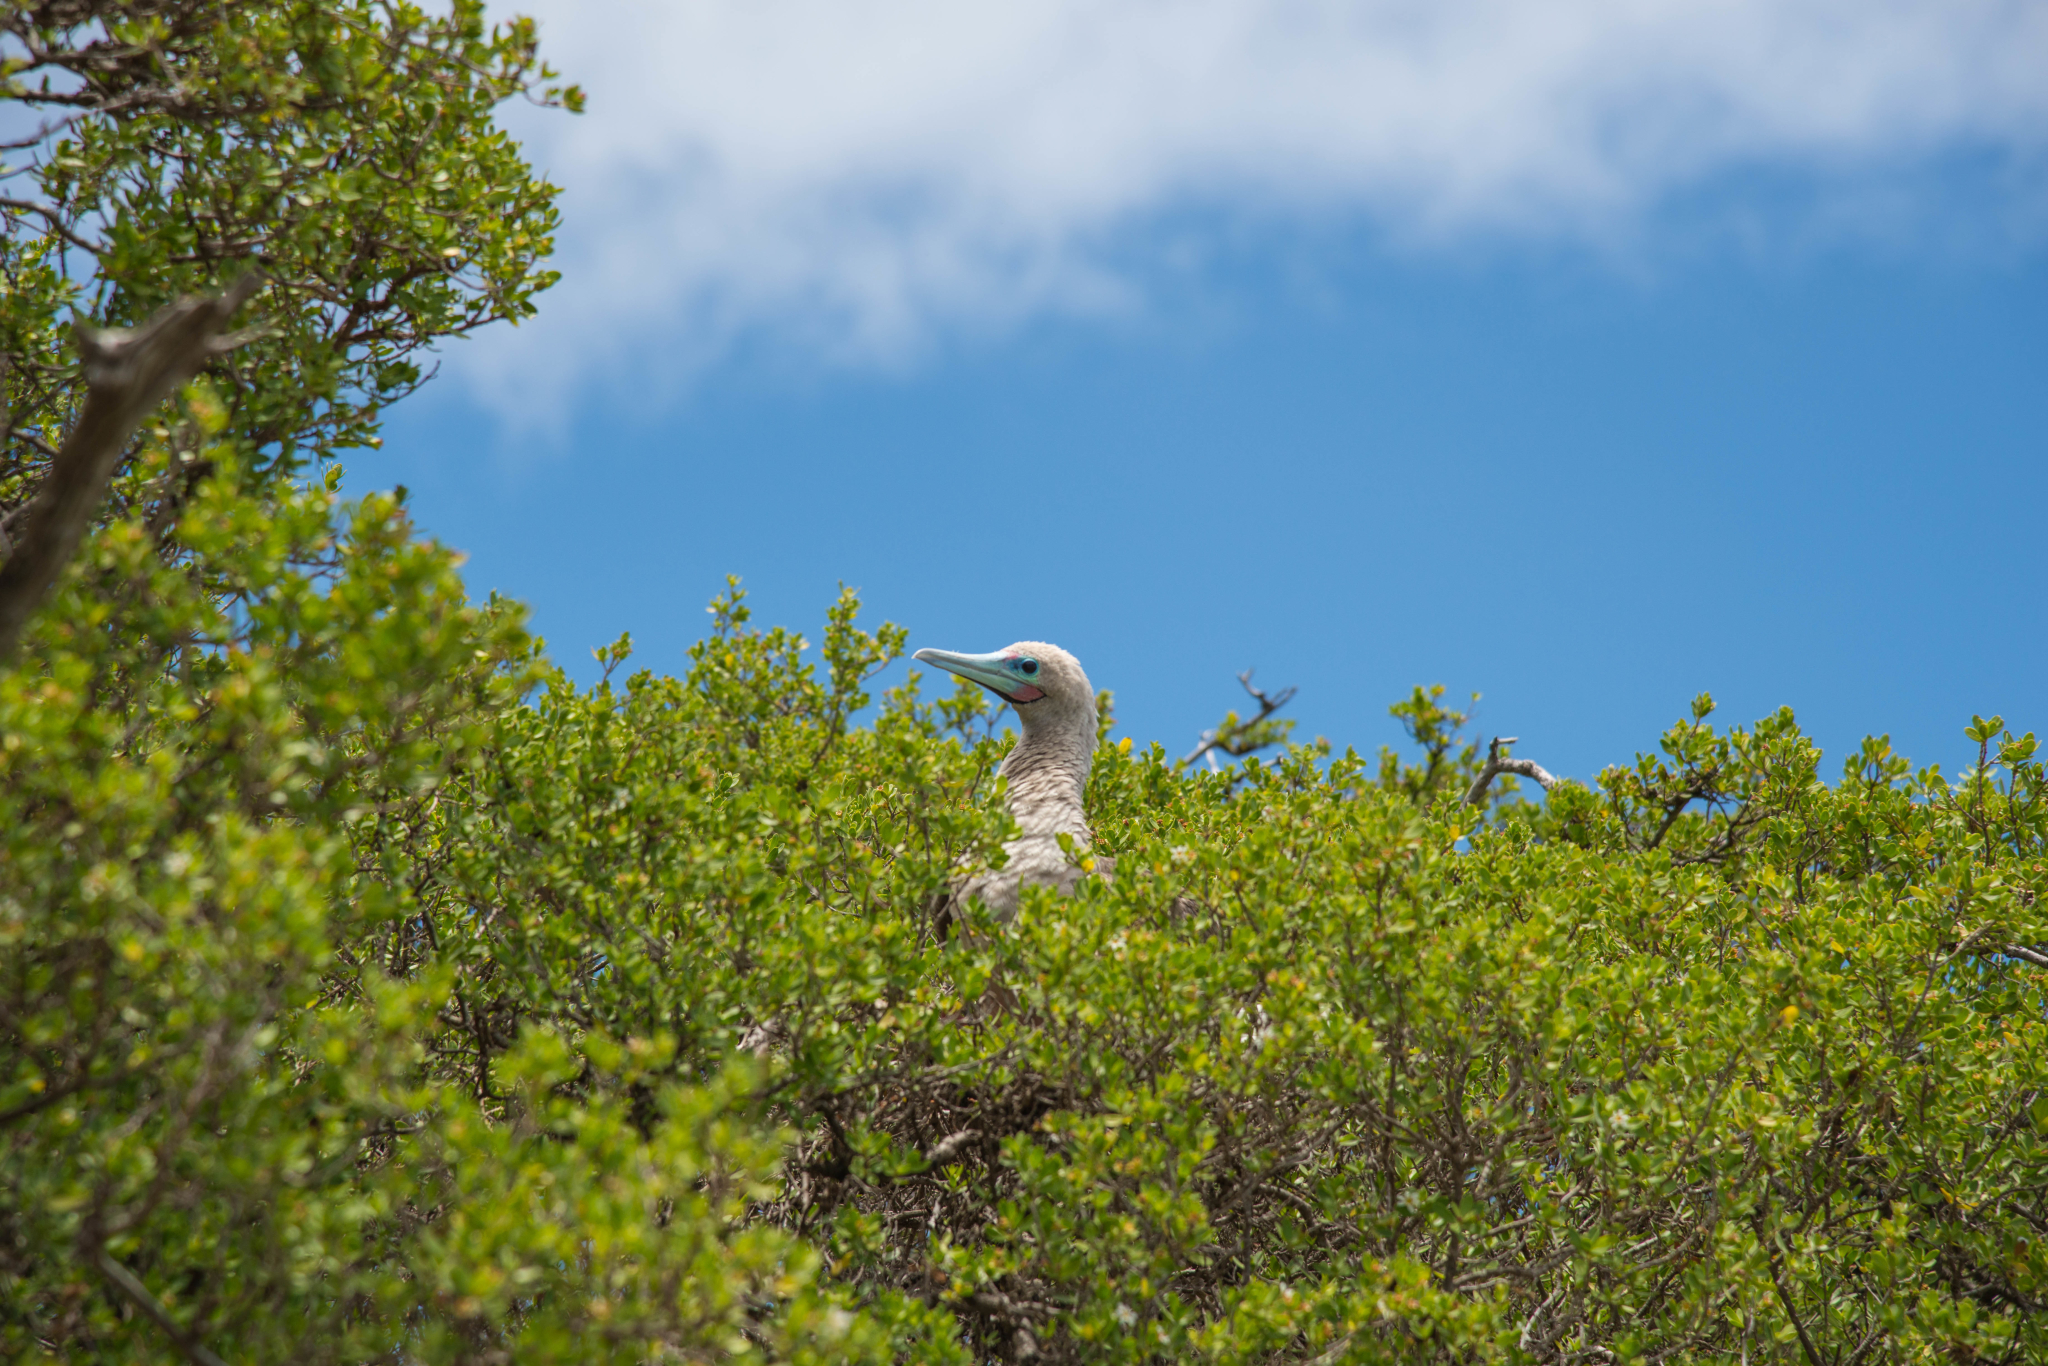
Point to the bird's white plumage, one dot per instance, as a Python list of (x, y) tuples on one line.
[(1046, 776)]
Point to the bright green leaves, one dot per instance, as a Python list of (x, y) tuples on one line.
[(1710, 794), (362, 998), (347, 148), (179, 789), (1874, 764), (852, 656), (277, 829), (588, 1231), (241, 688), (639, 1032), (1446, 767), (1301, 1074)]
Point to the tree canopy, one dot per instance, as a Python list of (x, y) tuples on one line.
[(370, 990)]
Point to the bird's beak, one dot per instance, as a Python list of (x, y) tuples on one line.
[(991, 671)]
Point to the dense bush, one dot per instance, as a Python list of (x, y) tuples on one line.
[(369, 990), (1715, 1060)]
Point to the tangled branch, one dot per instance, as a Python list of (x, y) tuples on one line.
[(1238, 738)]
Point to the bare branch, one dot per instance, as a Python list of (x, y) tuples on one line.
[(1231, 736), (1497, 764), (947, 1148), (127, 373), (124, 1280), (1006, 1309), (2026, 955)]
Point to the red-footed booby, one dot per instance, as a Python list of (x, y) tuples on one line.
[(1047, 771)]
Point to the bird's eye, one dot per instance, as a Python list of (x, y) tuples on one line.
[(1027, 666)]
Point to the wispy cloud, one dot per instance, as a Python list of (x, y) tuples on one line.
[(857, 176)]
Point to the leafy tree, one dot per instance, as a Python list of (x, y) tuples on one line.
[(217, 1140), (369, 990)]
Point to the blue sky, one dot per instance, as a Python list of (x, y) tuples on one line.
[(1585, 425)]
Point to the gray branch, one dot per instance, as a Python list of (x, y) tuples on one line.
[(1497, 764), (947, 1148), (127, 373), (1224, 737)]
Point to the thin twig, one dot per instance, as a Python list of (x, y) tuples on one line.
[(1770, 1245), (55, 221), (124, 1280), (1225, 737)]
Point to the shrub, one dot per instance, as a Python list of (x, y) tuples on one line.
[(369, 990)]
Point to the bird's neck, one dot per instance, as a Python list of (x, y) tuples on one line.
[(1048, 773)]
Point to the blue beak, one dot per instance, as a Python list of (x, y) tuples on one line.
[(991, 671)]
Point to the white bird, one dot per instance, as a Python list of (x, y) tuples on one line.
[(1047, 771)]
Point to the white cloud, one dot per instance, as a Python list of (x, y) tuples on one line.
[(858, 175)]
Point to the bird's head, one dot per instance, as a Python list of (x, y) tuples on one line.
[(1043, 682)]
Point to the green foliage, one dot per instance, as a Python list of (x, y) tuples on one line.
[(1243, 736), (369, 990), (618, 1018), (347, 148), (1305, 1078), (220, 1133), (1446, 767)]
